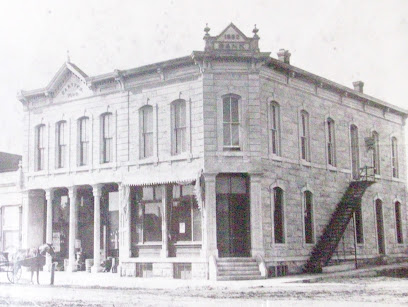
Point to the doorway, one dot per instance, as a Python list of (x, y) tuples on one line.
[(380, 227), (233, 215)]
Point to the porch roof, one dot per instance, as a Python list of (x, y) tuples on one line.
[(162, 176)]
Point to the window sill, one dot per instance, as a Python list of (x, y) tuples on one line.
[(149, 244), (332, 168), (60, 170), (229, 153), (81, 168), (276, 158), (107, 165), (306, 163), (279, 245), (181, 156), (188, 243), (147, 160)]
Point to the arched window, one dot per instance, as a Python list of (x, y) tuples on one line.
[(355, 153), (178, 115), (107, 138), (304, 135), (146, 131), (274, 127), (398, 222), (331, 143), (308, 217), (83, 141), (230, 113), (376, 153), (39, 153), (394, 155), (60, 144), (278, 215)]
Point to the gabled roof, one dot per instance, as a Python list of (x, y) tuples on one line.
[(231, 25), (56, 81)]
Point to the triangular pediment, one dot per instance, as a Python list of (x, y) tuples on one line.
[(231, 34), (71, 87)]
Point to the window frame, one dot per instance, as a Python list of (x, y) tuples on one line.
[(274, 128), (83, 145), (39, 152), (331, 142), (273, 215), (394, 157), (304, 136), (106, 140), (399, 232), (230, 146), (60, 147), (146, 113), (354, 138), (304, 215), (376, 160), (141, 205), (178, 130)]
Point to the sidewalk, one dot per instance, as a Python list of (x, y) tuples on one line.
[(111, 280)]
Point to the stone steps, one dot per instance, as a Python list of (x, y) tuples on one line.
[(237, 269)]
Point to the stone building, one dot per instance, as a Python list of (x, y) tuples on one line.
[(226, 163), (10, 201)]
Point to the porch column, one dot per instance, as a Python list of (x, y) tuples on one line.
[(72, 194), (256, 216), (49, 195), (164, 253), (124, 222), (209, 247), (25, 220), (96, 190)]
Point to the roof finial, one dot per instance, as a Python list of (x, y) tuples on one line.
[(206, 30), (68, 58), (255, 31)]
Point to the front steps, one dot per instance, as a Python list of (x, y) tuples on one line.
[(237, 269)]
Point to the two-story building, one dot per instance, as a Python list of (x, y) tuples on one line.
[(220, 164)]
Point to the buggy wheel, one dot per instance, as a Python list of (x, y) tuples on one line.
[(14, 273)]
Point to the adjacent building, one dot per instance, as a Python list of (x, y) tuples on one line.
[(226, 163)]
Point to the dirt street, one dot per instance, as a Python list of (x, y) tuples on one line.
[(351, 291)]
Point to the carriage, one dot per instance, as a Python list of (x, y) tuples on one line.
[(34, 259), (12, 269)]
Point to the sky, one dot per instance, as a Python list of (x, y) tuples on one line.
[(343, 41)]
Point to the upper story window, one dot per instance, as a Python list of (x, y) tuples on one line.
[(107, 138), (83, 141), (394, 155), (376, 153), (178, 110), (274, 127), (146, 131), (355, 152), (61, 144), (39, 147), (230, 108), (331, 143), (304, 135)]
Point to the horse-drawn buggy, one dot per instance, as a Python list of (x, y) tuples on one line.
[(33, 258)]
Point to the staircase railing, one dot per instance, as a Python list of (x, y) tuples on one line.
[(367, 173)]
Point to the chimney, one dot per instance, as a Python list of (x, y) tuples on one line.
[(284, 56), (358, 86)]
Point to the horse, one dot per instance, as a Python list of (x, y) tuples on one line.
[(33, 258)]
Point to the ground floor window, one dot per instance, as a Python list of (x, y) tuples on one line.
[(10, 222), (149, 217), (278, 216), (184, 216), (308, 217), (398, 223)]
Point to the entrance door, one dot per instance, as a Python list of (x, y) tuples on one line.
[(380, 226), (233, 216), (355, 155)]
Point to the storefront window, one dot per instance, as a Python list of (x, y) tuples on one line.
[(150, 213), (185, 217)]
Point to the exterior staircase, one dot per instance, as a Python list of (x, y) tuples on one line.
[(237, 269), (327, 244)]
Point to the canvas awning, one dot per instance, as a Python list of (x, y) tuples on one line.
[(162, 176)]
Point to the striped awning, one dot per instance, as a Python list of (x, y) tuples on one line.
[(162, 176)]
